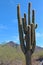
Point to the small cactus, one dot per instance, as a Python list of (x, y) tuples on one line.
[(29, 31)]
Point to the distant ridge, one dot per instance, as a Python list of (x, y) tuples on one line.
[(38, 48), (11, 43)]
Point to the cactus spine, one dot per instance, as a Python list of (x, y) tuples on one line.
[(29, 32)]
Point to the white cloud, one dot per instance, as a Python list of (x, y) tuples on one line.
[(38, 34), (16, 38), (39, 39), (11, 2), (13, 38), (14, 21), (3, 27)]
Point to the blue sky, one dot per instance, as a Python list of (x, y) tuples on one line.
[(9, 22)]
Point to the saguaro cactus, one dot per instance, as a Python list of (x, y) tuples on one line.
[(27, 33)]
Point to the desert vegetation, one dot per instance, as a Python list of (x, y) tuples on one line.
[(13, 55)]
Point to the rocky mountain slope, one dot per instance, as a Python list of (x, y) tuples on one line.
[(11, 54)]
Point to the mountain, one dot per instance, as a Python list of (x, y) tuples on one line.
[(12, 44), (38, 49)]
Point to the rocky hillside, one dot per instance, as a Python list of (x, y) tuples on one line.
[(11, 54)]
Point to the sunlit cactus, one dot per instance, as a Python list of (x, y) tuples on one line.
[(27, 33)]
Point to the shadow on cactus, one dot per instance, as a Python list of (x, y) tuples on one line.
[(27, 33)]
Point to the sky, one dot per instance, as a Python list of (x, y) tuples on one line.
[(9, 22)]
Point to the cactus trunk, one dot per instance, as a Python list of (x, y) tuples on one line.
[(28, 58)]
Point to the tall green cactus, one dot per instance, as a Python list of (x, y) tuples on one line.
[(27, 42)]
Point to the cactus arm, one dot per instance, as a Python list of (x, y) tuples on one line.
[(36, 26), (28, 38), (25, 19), (32, 33), (29, 6), (33, 39), (24, 24), (34, 43), (20, 29), (33, 16)]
